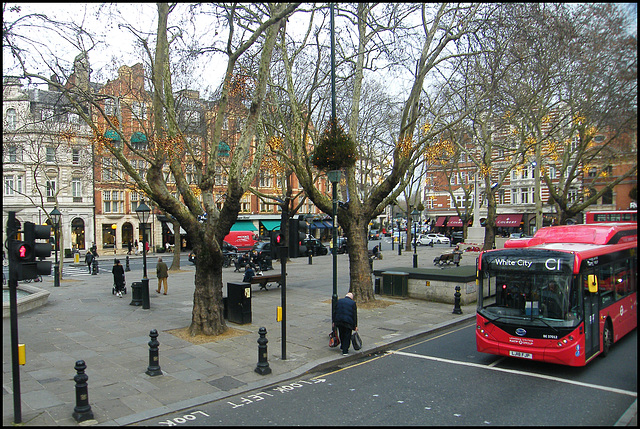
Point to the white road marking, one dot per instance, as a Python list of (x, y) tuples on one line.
[(513, 371)]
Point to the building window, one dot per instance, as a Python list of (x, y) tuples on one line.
[(47, 114), (12, 119), (112, 201), (501, 196), (76, 188), (139, 109), (11, 154), (134, 198), (552, 172), (51, 188), (524, 195), (265, 179), (75, 156), (110, 169), (607, 197), (110, 106), (12, 185), (51, 154), (593, 172), (514, 196)]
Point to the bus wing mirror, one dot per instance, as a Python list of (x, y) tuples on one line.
[(592, 281)]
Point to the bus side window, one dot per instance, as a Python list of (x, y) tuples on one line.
[(606, 285)]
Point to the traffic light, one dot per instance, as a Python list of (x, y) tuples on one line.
[(297, 233), (28, 250), (277, 242)]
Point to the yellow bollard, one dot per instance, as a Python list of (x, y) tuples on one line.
[(22, 354), (278, 314)]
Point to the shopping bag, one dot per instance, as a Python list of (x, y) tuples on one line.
[(334, 340), (356, 341)]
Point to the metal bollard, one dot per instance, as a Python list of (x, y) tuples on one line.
[(310, 259), (456, 301), (263, 365), (94, 267), (82, 410), (126, 265), (153, 369)]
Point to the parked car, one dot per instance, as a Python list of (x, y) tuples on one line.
[(311, 246), (424, 240), (438, 238), (229, 252), (518, 235), (262, 250), (457, 237), (374, 234)]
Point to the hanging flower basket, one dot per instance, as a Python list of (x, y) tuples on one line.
[(335, 150)]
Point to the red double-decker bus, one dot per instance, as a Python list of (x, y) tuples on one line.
[(611, 216), (563, 296)]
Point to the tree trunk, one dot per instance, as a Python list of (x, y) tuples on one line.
[(359, 269), (177, 240), (207, 317)]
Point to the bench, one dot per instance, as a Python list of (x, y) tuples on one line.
[(448, 258), (265, 279)]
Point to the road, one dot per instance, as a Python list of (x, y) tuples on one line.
[(437, 380)]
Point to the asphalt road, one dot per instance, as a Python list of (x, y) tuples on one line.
[(438, 380)]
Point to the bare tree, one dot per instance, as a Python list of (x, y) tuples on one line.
[(249, 29)]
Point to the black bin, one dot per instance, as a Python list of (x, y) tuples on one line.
[(239, 303)]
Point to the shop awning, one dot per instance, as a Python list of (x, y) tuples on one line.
[(244, 225), (440, 220), (328, 223), (454, 221), (318, 225), (270, 225), (170, 226), (508, 220)]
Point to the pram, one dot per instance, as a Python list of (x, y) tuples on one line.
[(115, 289)]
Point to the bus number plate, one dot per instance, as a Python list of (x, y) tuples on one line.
[(520, 354)]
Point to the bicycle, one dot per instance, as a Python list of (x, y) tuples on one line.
[(36, 280)]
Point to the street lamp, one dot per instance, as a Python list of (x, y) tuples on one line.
[(143, 211), (55, 216), (334, 177), (415, 217)]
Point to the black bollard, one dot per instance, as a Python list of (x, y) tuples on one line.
[(456, 301), (94, 267), (310, 259), (126, 265), (263, 365), (153, 368), (82, 410)]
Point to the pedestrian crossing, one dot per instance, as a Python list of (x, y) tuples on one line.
[(77, 271)]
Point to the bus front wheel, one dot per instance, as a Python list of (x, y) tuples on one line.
[(607, 339)]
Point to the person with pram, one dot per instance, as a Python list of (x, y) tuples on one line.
[(118, 277)]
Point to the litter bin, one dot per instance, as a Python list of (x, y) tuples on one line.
[(395, 283), (239, 303)]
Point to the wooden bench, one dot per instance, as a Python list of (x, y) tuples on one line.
[(263, 280)]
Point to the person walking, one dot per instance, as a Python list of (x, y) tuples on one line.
[(89, 259), (136, 247), (129, 247), (163, 273), (346, 319), (118, 277)]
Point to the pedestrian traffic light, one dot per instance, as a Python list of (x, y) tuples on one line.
[(277, 242), (28, 250)]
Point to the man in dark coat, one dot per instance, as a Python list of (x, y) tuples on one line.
[(248, 274), (346, 319), (118, 277)]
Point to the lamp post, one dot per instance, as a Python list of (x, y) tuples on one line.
[(415, 217), (55, 216), (334, 177), (143, 211)]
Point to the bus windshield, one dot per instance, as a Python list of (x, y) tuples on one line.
[(549, 298)]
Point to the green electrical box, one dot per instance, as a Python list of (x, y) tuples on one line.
[(395, 283)]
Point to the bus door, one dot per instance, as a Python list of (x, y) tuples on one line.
[(591, 315)]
